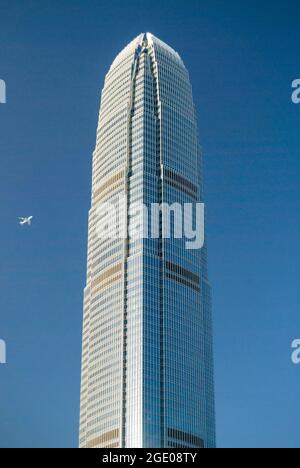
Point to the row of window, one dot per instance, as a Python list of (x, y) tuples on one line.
[(173, 267), (184, 437)]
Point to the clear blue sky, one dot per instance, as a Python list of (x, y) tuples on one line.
[(242, 58)]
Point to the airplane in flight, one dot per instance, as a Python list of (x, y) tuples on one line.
[(27, 221)]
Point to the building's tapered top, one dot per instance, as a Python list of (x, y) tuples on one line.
[(144, 39)]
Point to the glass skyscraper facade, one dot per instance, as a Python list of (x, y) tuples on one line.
[(147, 360)]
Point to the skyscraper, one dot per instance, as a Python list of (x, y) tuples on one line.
[(147, 365)]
